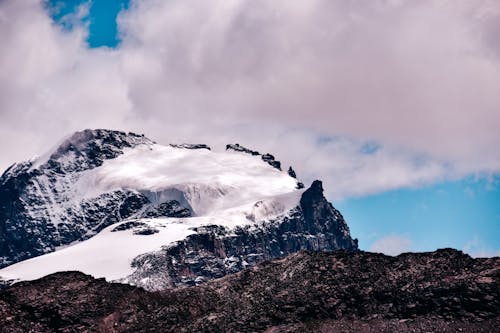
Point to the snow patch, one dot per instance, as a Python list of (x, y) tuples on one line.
[(108, 254)]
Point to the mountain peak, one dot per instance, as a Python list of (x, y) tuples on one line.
[(120, 198), (82, 138), (316, 187), (89, 148)]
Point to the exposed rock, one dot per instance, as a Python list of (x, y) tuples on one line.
[(191, 146), (268, 158), (128, 226), (292, 174), (90, 148), (271, 161), (239, 148), (170, 208), (442, 291), (215, 251), (37, 213), (146, 231)]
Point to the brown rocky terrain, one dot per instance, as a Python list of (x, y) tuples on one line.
[(441, 291)]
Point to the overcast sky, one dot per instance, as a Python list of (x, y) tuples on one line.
[(369, 96)]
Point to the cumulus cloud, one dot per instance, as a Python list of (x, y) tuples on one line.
[(311, 81), (391, 245)]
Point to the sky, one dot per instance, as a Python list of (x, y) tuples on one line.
[(394, 104)]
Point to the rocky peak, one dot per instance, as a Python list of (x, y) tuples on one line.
[(45, 210), (89, 148), (191, 146), (271, 161), (319, 213), (292, 174), (313, 193), (239, 148), (268, 158)]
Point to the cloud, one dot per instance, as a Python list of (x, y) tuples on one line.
[(475, 248), (418, 75), (391, 245), (311, 81)]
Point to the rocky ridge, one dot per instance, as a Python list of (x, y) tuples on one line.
[(445, 291), (268, 158), (215, 251), (41, 210)]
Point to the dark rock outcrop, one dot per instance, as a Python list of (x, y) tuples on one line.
[(88, 149), (215, 251), (271, 161), (191, 146), (268, 158), (129, 225), (239, 148), (36, 212), (170, 208), (442, 291), (292, 174)]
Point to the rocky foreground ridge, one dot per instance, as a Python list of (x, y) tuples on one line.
[(444, 291)]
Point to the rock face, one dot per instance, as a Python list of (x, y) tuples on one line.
[(191, 146), (215, 251), (238, 147), (442, 291), (171, 208), (41, 209), (268, 158), (37, 211)]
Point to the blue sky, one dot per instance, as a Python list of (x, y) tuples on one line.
[(426, 173), (462, 214), (101, 18)]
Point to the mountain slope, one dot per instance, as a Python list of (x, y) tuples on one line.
[(39, 207), (157, 216), (442, 291)]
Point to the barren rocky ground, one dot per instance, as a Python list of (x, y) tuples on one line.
[(441, 291)]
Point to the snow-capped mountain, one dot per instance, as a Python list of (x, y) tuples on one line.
[(118, 205)]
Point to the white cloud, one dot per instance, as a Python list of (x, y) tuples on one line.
[(421, 78), (391, 245), (475, 248)]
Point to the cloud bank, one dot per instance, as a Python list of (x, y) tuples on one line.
[(315, 82)]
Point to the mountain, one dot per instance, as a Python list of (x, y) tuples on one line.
[(120, 206), (442, 291)]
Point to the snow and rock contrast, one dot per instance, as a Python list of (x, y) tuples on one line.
[(119, 206), (41, 208)]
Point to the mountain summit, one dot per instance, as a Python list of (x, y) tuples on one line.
[(120, 206)]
